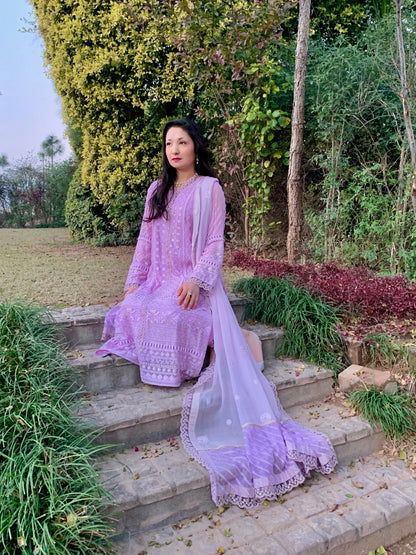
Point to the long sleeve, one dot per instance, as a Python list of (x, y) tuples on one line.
[(208, 267), (142, 255)]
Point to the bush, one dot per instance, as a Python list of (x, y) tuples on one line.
[(81, 211), (310, 323), (51, 496), (89, 222)]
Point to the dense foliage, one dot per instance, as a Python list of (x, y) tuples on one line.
[(51, 496), (239, 96), (123, 69), (112, 65), (359, 207)]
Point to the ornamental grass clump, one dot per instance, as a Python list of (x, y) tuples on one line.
[(310, 324), (51, 497), (381, 351), (396, 413)]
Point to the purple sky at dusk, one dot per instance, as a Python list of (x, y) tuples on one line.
[(30, 109)]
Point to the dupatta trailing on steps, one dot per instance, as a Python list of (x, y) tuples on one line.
[(232, 421)]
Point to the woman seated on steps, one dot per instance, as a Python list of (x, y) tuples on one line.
[(175, 306)]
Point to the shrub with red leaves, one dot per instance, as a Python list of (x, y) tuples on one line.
[(356, 290)]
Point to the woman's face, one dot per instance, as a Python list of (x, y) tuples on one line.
[(180, 150)]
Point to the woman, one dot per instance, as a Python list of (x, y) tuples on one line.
[(175, 306), (164, 323)]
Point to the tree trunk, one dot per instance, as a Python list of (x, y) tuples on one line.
[(406, 108), (294, 185)]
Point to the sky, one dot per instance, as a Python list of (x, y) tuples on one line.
[(30, 109)]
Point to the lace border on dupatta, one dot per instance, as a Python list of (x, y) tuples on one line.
[(270, 493)]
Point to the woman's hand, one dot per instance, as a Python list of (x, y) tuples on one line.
[(188, 294), (131, 290)]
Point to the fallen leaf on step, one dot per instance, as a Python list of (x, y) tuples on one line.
[(350, 495), (227, 533), (313, 415), (136, 476), (357, 484), (220, 550), (402, 455), (333, 508)]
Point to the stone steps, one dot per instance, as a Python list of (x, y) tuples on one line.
[(349, 512), (153, 490), (160, 483), (140, 414)]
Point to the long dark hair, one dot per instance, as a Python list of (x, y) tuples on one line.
[(159, 200)]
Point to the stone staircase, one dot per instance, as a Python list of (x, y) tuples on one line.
[(163, 496)]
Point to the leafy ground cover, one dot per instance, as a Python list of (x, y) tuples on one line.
[(370, 303), (51, 496)]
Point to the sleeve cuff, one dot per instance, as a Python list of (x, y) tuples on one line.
[(201, 284)]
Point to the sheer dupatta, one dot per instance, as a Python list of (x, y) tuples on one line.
[(232, 420)]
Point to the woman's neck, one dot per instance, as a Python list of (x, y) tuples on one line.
[(181, 177)]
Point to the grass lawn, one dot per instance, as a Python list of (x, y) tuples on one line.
[(44, 265)]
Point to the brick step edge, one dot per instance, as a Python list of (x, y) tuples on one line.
[(145, 413), (330, 514), (160, 483)]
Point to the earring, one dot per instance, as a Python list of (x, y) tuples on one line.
[(196, 161)]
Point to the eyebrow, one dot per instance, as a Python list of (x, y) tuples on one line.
[(179, 139)]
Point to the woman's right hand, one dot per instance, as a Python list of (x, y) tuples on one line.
[(131, 290)]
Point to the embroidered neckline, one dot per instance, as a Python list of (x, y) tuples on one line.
[(181, 186)]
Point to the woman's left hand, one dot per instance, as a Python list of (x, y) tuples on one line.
[(188, 294)]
